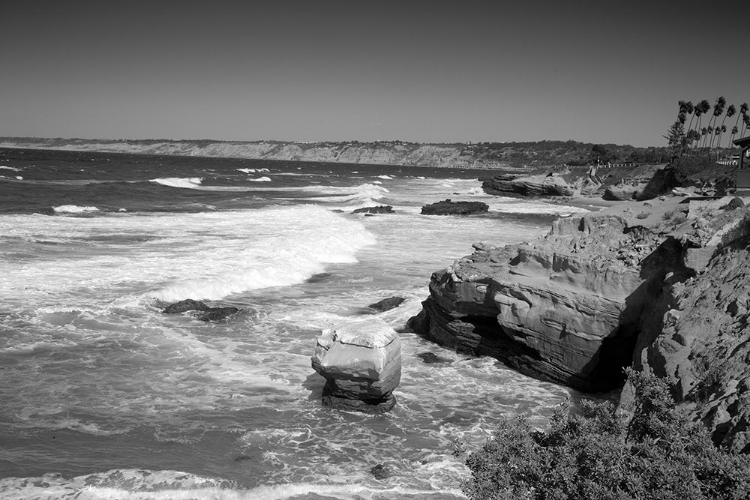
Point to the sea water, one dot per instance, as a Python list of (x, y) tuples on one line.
[(104, 396)]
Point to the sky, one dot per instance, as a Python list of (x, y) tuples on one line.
[(435, 71)]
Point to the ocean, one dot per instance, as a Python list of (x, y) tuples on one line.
[(104, 396)]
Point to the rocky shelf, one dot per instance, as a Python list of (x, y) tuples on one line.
[(663, 288)]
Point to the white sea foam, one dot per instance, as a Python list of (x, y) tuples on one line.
[(253, 170), (140, 484), (179, 182), (513, 206), (207, 255), (74, 209), (19, 177), (353, 197), (261, 179), (245, 257), (4, 167), (384, 177)]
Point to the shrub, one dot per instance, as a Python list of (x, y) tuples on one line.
[(658, 453)]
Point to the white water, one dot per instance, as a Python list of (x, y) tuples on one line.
[(93, 362)]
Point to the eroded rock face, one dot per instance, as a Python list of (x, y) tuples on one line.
[(530, 185), (597, 294), (702, 343), (361, 362), (566, 308)]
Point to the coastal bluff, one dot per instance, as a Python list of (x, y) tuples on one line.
[(664, 289), (353, 152)]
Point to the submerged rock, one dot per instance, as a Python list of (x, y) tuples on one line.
[(184, 306), (430, 358), (449, 207), (386, 304), (206, 313), (383, 471), (381, 209), (217, 313), (361, 362)]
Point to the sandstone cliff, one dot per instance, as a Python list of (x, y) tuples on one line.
[(664, 289), (375, 153)]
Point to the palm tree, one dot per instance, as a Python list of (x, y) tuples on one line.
[(717, 135), (718, 110), (731, 110), (700, 109), (689, 109), (693, 136), (731, 137), (743, 112)]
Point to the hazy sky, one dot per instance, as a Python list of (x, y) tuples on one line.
[(595, 71)]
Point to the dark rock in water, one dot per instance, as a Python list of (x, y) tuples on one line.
[(372, 406), (431, 358), (382, 471), (217, 313), (734, 204), (449, 207), (387, 304), (381, 209), (207, 313), (185, 305), (319, 278)]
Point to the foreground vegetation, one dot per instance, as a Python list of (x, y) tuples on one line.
[(655, 452)]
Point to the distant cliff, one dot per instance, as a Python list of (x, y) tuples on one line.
[(473, 155), (376, 153)]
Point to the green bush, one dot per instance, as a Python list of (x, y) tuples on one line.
[(656, 454)]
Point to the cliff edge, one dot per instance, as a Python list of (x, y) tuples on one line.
[(662, 286)]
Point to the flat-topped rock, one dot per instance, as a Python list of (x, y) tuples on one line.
[(448, 207), (361, 362)]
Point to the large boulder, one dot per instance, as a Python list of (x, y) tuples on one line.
[(551, 184), (361, 362)]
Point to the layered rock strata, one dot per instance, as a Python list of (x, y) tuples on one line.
[(668, 293), (566, 308), (528, 185), (361, 362)]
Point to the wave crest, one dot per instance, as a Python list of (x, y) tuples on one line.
[(179, 182)]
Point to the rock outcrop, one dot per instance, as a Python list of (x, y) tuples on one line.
[(449, 207), (380, 209), (702, 342), (361, 362), (565, 308), (667, 293), (531, 185), (204, 312), (386, 304)]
